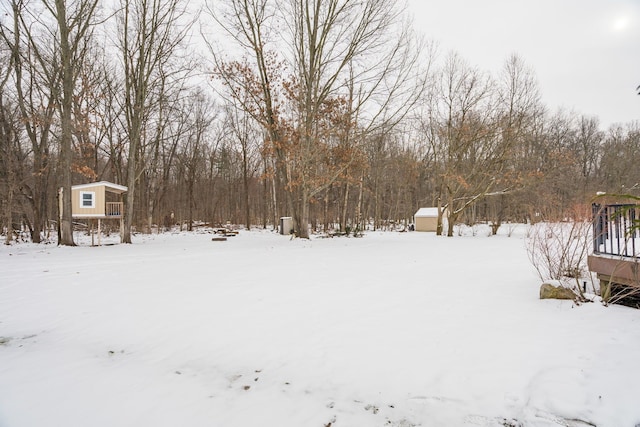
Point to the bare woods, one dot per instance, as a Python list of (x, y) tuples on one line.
[(333, 112)]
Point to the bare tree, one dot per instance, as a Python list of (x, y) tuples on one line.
[(198, 115), (588, 148), (329, 46), (247, 137), (36, 77), (111, 122), (9, 147), (93, 105), (151, 32), (518, 106), (620, 153), (256, 81), (74, 28), (332, 44), (49, 42), (469, 155)]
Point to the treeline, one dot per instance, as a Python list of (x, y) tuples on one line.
[(330, 111)]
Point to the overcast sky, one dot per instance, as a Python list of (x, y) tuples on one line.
[(585, 53)]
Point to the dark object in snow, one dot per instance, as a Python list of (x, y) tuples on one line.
[(548, 291), (225, 231), (219, 239), (624, 295), (372, 408)]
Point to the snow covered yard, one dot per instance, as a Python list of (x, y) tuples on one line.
[(392, 329)]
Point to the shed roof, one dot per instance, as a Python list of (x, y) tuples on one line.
[(427, 212), (114, 188)]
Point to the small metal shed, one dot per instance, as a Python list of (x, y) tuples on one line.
[(286, 225)]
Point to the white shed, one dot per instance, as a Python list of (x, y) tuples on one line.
[(426, 219)]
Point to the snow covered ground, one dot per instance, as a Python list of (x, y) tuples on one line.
[(392, 329)]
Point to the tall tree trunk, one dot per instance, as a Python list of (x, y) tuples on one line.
[(66, 227), (6, 136), (152, 191), (359, 225), (9, 208), (190, 202), (303, 222), (245, 182), (326, 209), (39, 204), (265, 198), (345, 206), (451, 217), (439, 226), (149, 39), (131, 189), (274, 196)]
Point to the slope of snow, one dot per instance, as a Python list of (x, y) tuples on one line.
[(392, 329)]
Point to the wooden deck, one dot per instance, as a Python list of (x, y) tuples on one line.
[(624, 271), (616, 247)]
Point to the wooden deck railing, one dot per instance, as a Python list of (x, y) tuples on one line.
[(616, 251), (615, 230), (114, 209)]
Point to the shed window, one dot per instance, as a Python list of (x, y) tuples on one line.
[(87, 199)]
